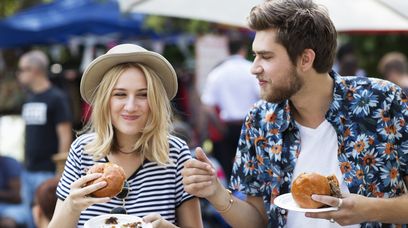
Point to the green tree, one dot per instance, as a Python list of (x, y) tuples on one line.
[(370, 48), (10, 7)]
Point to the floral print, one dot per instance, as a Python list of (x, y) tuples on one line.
[(369, 116)]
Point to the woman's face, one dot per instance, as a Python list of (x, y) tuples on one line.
[(129, 108)]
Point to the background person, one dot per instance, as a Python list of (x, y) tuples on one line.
[(347, 61), (44, 202), (11, 207), (130, 90), (394, 67), (230, 90), (311, 120), (48, 123)]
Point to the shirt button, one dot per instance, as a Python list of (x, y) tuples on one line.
[(283, 211)]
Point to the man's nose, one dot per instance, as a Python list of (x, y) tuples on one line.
[(256, 69)]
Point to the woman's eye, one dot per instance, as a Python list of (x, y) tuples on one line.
[(143, 95), (119, 94)]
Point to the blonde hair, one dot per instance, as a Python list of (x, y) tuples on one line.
[(153, 142)]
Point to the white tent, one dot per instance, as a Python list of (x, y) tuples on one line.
[(347, 15)]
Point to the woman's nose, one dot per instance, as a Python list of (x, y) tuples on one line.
[(130, 105)]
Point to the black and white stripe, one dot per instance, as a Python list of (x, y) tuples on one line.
[(154, 188)]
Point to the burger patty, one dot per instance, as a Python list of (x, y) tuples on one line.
[(334, 186)]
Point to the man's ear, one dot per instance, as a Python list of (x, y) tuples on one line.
[(306, 60)]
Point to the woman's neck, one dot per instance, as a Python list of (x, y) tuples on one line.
[(125, 143)]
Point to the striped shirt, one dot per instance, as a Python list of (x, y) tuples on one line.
[(153, 188)]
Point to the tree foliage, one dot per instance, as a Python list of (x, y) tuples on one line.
[(9, 7), (371, 47), (166, 25)]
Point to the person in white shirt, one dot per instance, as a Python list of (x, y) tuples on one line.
[(231, 89)]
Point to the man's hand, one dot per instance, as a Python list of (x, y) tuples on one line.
[(354, 209), (199, 176)]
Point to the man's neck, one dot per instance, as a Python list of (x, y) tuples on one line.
[(310, 104), (40, 85)]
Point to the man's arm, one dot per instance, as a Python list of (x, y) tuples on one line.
[(64, 132), (249, 213), (199, 179)]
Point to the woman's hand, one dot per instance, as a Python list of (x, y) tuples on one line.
[(353, 209), (78, 199), (199, 177), (157, 221)]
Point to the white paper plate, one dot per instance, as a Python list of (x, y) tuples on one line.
[(99, 221), (286, 201)]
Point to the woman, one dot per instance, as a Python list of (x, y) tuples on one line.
[(130, 90)]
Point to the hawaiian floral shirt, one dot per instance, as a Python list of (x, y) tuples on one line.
[(369, 116)]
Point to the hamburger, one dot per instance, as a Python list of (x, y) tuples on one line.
[(114, 176), (307, 184)]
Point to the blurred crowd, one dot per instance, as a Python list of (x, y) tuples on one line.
[(53, 113)]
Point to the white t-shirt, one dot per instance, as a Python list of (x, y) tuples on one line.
[(318, 153), (232, 88)]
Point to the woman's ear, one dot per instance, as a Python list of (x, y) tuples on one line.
[(306, 60)]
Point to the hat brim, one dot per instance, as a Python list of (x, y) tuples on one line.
[(94, 73)]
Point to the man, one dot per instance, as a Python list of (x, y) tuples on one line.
[(347, 61), (47, 118), (315, 121), (232, 89), (394, 67)]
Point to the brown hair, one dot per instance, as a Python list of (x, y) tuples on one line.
[(46, 198), (300, 24)]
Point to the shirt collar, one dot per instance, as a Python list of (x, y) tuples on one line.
[(339, 93)]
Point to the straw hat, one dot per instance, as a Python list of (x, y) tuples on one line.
[(127, 53)]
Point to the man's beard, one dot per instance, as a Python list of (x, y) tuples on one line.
[(279, 93)]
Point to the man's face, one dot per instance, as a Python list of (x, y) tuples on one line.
[(26, 72), (277, 76)]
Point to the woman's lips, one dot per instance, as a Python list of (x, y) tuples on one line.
[(128, 117)]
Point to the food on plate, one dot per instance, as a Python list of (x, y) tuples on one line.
[(114, 176), (307, 184), (132, 225), (112, 221)]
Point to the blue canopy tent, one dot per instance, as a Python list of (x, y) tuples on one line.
[(56, 22)]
